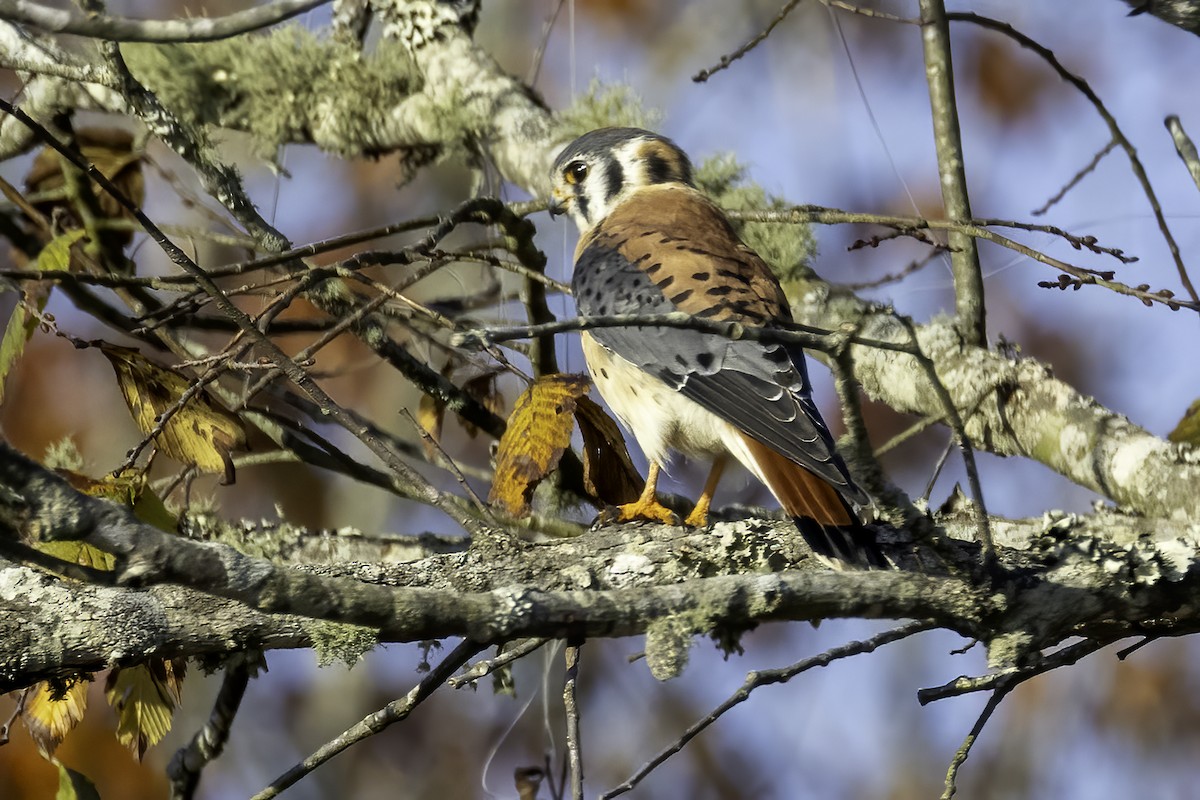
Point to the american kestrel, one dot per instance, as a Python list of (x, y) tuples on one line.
[(651, 243)]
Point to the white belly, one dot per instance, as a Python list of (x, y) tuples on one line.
[(660, 418)]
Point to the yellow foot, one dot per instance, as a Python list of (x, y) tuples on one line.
[(645, 510), (699, 516)]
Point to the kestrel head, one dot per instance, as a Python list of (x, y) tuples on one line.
[(600, 169)]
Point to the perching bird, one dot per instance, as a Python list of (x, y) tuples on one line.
[(651, 243)]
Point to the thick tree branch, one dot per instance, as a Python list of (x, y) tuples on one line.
[(124, 29), (1015, 408), (1102, 576)]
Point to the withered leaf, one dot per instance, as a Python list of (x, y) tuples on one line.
[(608, 473), (144, 697), (111, 151), (539, 430), (431, 412), (1188, 429), (202, 433), (50, 712), (55, 256), (484, 389)]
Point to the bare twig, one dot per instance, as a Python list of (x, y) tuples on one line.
[(412, 483), (535, 66), (759, 678), (1078, 276), (188, 762), (484, 667), (393, 712), (963, 684), (960, 438), (961, 755), (727, 60), (1076, 178), (1135, 163)]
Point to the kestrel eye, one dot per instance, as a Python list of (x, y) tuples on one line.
[(575, 172)]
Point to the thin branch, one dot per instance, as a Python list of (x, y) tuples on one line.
[(126, 29), (1076, 178), (1009, 678), (206, 746), (759, 678), (1079, 83), (484, 667), (393, 712), (412, 483), (727, 60), (571, 707), (1081, 275), (960, 438), (971, 312), (1184, 147), (965, 750)]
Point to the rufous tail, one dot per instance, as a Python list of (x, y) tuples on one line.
[(826, 521)]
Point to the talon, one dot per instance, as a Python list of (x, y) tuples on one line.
[(699, 516), (649, 510)]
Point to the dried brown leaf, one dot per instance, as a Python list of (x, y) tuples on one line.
[(539, 431), (484, 389), (202, 433), (608, 473), (111, 151)]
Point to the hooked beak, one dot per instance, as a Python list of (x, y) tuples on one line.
[(558, 204)]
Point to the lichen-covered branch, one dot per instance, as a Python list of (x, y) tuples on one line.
[(1099, 576), (1014, 407)]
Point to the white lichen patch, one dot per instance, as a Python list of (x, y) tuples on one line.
[(1130, 459), (630, 565), (1175, 557), (1074, 444)]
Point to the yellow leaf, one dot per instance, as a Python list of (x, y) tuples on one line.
[(145, 697), (201, 433), (1188, 429), (608, 473), (431, 411), (129, 490), (79, 553), (55, 256), (539, 430), (74, 785), (49, 715)]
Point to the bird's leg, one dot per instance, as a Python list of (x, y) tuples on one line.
[(699, 516), (647, 506)]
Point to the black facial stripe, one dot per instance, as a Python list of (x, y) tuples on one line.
[(657, 169), (614, 176), (581, 203), (685, 169)]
